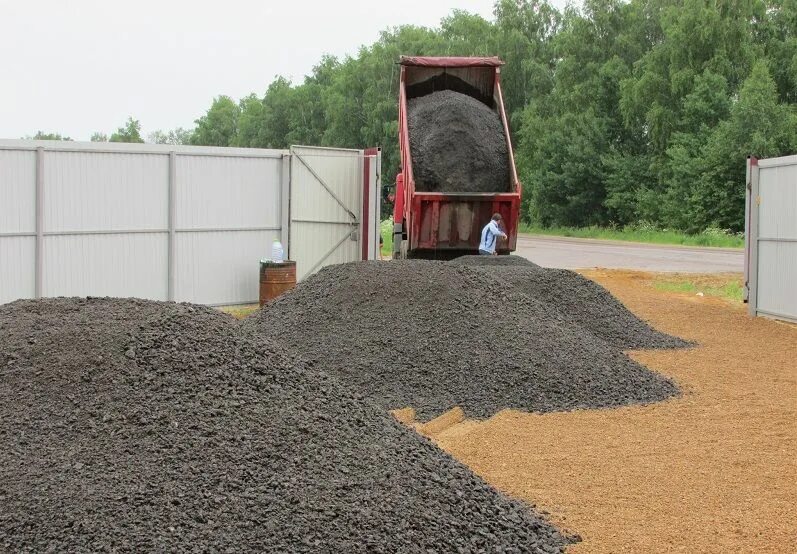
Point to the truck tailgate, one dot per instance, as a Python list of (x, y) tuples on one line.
[(449, 221)]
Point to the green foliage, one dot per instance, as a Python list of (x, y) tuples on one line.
[(219, 126), (99, 137), (40, 135), (131, 132), (721, 286), (644, 231), (175, 136), (620, 111), (386, 232)]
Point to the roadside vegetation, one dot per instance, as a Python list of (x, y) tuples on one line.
[(240, 312), (386, 230), (644, 233), (726, 286)]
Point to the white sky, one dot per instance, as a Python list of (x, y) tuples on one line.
[(80, 66)]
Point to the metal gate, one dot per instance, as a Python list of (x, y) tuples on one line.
[(326, 193), (771, 253)]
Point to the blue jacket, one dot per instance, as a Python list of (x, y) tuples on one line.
[(490, 235)]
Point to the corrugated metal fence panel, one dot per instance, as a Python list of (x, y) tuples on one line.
[(777, 238), (99, 195), (339, 169), (17, 191), (237, 201), (778, 206), (227, 192), (320, 227), (777, 279), (128, 264), (98, 191), (17, 268), (220, 267), (17, 215)]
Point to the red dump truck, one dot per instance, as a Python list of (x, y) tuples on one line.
[(448, 224)]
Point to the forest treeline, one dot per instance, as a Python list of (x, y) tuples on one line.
[(621, 112)]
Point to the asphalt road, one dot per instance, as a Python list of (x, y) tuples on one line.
[(573, 253)]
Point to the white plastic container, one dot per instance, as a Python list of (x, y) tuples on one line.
[(277, 253)]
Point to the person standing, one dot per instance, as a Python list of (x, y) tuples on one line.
[(490, 235)]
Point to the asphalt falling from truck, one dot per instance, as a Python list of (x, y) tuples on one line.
[(457, 144)]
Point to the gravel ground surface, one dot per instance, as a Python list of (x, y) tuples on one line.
[(128, 425), (457, 144), (433, 336), (710, 471), (579, 300)]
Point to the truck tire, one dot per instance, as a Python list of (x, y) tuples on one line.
[(396, 246), (398, 236)]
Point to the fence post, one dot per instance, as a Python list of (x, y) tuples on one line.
[(285, 204), (752, 237), (39, 261), (172, 262), (747, 200)]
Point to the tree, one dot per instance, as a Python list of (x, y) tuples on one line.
[(267, 123), (99, 137), (696, 37), (564, 170), (175, 136), (219, 126), (573, 140), (524, 31), (131, 132), (758, 126), (40, 135)]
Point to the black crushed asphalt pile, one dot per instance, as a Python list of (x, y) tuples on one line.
[(457, 144), (480, 260), (432, 336), (130, 426), (579, 300)]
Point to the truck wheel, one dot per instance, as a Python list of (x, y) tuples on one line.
[(398, 235), (405, 246), (396, 246)]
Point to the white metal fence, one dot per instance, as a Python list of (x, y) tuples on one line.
[(160, 222), (771, 225)]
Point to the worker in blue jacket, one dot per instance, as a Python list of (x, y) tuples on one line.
[(490, 235)]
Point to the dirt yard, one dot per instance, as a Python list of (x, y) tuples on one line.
[(714, 470)]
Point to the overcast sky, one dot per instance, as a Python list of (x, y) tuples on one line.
[(75, 67)]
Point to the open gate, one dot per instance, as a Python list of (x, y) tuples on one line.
[(771, 238), (334, 206)]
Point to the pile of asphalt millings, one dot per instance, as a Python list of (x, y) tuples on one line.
[(481, 260), (433, 336), (128, 425), (579, 300), (457, 144)]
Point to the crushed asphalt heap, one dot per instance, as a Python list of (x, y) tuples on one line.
[(128, 425), (457, 144), (580, 301), (479, 260), (432, 336)]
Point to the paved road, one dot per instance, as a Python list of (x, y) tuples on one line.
[(572, 253)]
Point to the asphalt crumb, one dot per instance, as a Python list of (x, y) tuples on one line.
[(128, 426), (432, 336)]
